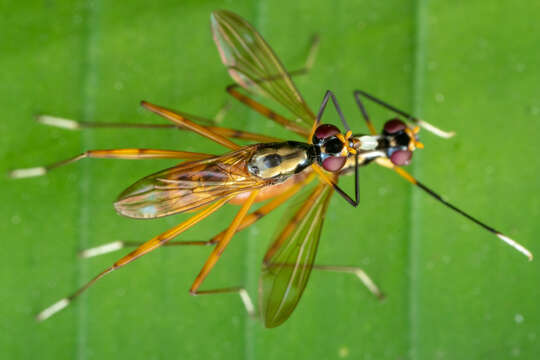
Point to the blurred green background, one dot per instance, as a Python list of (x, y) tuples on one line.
[(454, 291)]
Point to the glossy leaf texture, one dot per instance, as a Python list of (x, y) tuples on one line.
[(453, 292)]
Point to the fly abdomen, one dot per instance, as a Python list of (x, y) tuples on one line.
[(280, 160)]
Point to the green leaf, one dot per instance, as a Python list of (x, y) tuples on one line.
[(453, 290)]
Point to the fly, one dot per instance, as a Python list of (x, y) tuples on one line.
[(270, 169)]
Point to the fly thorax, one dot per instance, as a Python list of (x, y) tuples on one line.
[(280, 160)]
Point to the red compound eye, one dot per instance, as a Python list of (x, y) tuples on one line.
[(334, 163), (393, 126), (324, 131), (401, 157)]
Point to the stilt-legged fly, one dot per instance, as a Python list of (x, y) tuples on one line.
[(270, 169)]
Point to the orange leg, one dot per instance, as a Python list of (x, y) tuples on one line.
[(266, 112), (247, 221), (250, 307), (225, 132), (223, 242), (143, 249), (183, 122), (125, 154), (229, 133), (243, 135)]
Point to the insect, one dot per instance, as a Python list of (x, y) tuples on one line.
[(270, 170)]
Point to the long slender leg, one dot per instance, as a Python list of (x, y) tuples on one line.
[(223, 110), (182, 121), (70, 124), (222, 244), (216, 253), (125, 154), (243, 135), (364, 113), (330, 181), (310, 59), (266, 112), (118, 245), (242, 292), (250, 307), (330, 95), (145, 248), (385, 162), (358, 272), (429, 127), (248, 220), (225, 132)]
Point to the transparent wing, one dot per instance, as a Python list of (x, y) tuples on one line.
[(288, 262), (254, 66), (189, 186)]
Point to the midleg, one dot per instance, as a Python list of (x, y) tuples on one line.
[(125, 154), (356, 271), (143, 249), (180, 120), (225, 132), (222, 243), (266, 112), (248, 220)]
